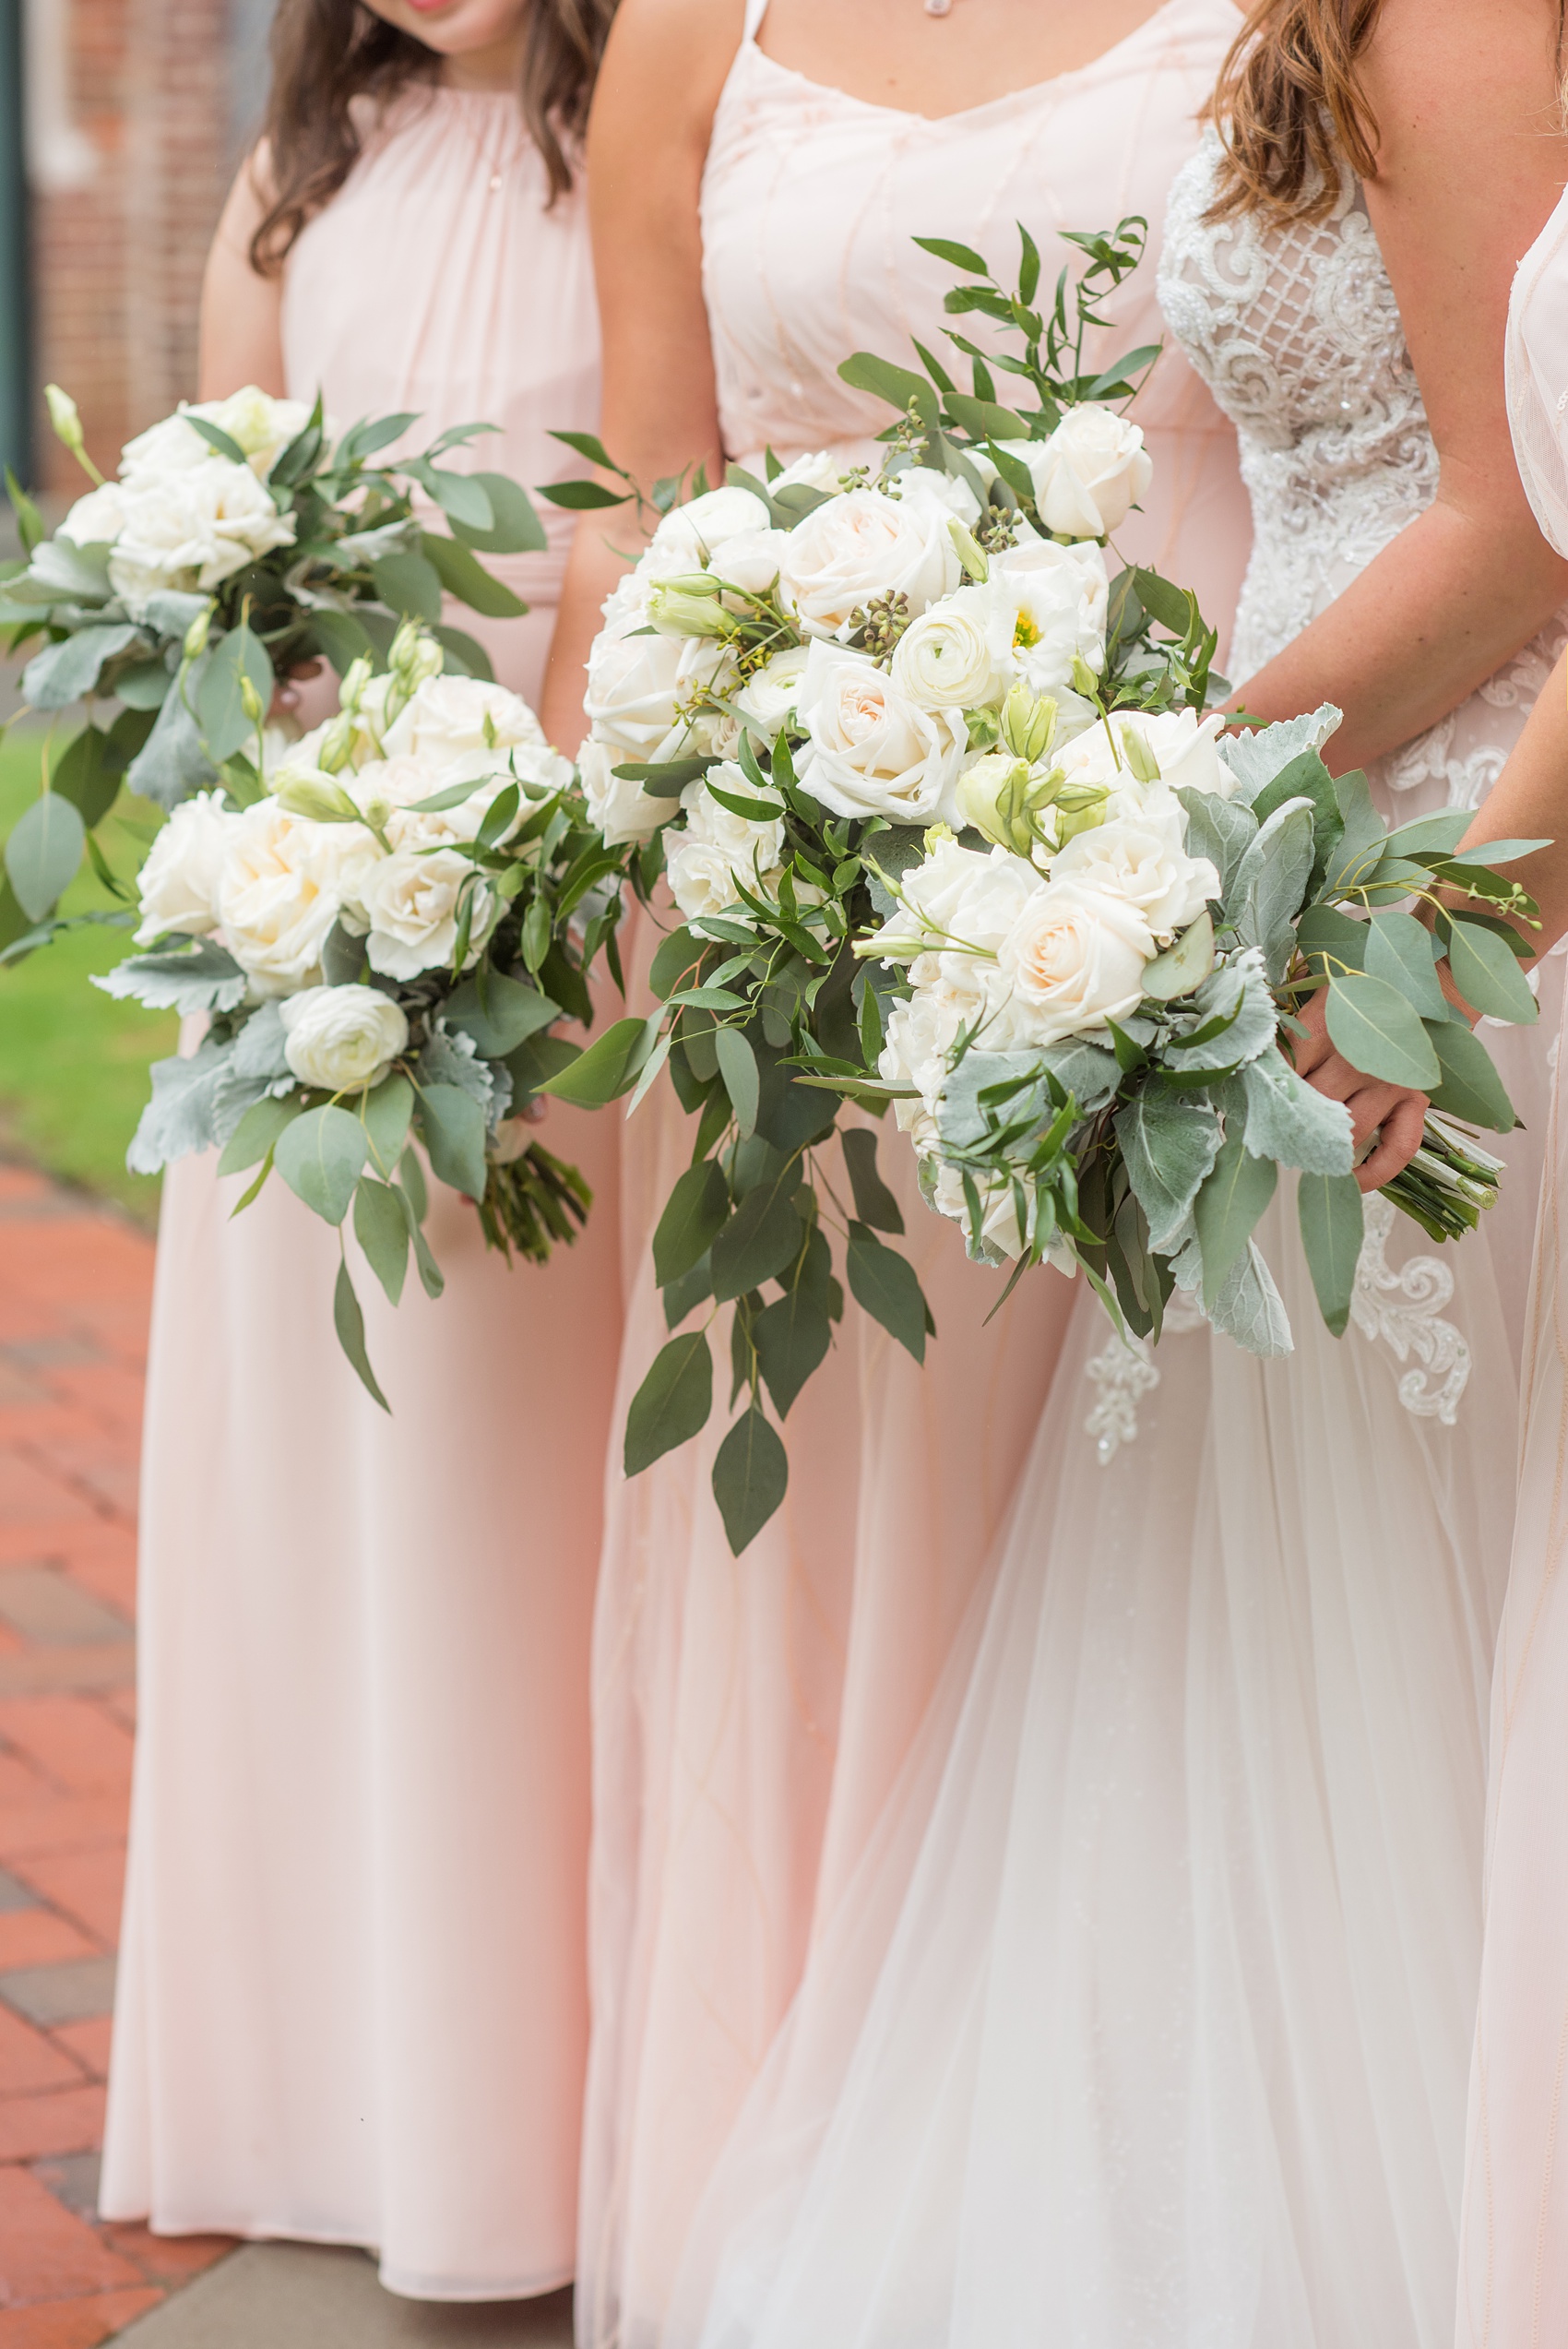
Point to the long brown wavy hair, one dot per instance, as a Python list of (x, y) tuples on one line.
[(327, 52), (1290, 107)]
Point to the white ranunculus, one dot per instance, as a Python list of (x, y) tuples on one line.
[(283, 883), (618, 807), (1059, 598), (871, 750), (1073, 959), (342, 1040), (770, 694), (637, 682), (410, 903), (958, 655), (451, 713), (98, 518), (179, 881), (192, 529), (714, 846), (864, 545), (1146, 867), (1090, 474)]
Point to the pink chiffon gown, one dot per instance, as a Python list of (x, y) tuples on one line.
[(752, 1715), (1514, 2230), (353, 2002)]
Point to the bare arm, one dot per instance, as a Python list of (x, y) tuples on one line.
[(1529, 801), (241, 313), (1471, 161), (663, 69)]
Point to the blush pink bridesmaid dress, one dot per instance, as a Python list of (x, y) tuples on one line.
[(1513, 2227), (353, 2002), (751, 1716)]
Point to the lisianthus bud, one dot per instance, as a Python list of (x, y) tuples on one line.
[(1028, 725), (249, 701), (350, 693), (65, 417), (413, 658), (1139, 757), (676, 610), (337, 744), (971, 555), (197, 634), (323, 803), (992, 796), (1084, 678)]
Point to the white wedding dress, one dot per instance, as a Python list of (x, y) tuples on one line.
[(1146, 2022)]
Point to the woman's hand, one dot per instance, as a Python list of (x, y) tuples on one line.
[(1393, 1113)]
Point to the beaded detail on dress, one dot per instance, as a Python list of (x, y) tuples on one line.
[(1297, 333)]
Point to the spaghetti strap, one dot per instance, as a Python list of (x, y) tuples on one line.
[(756, 11)]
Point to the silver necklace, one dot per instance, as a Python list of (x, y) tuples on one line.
[(938, 8)]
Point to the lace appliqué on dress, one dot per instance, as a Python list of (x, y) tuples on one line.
[(1296, 330), (1406, 1308), (1124, 1372)]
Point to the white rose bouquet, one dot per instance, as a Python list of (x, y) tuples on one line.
[(381, 932), (802, 675), (241, 540), (1088, 1058)]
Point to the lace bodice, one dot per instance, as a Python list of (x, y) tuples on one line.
[(1297, 333)]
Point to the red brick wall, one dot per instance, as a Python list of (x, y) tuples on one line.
[(118, 264)]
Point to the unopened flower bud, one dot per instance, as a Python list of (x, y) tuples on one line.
[(66, 418), (992, 796), (196, 634), (350, 693), (323, 803), (1028, 725), (971, 555), (1084, 678), (1139, 757), (674, 611), (249, 701)]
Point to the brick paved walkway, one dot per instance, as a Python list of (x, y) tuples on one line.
[(75, 1285)]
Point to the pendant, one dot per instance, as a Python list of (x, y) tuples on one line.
[(938, 8), (494, 183)]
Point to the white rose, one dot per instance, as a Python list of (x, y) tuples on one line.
[(179, 881), (946, 490), (462, 713), (636, 683), (284, 882), (618, 807), (690, 534), (752, 560), (957, 655), (770, 694), (167, 447), (1180, 746), (1071, 961), (921, 1032), (409, 903), (1143, 864), (1090, 474), (1059, 598), (863, 545), (388, 791), (342, 1039), (715, 846), (261, 425), (192, 529), (821, 470), (871, 751), (98, 518), (999, 1209)]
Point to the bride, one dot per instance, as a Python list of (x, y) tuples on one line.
[(1147, 2020)]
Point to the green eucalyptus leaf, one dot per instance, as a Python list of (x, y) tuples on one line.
[(1486, 972), (1380, 1031), (885, 1286), (609, 1068), (321, 1156), (759, 1240), (43, 854), (737, 1065), (1401, 949), (1226, 1211), (751, 1473), (257, 1132), (1332, 1219), (463, 575), (791, 1336), (672, 1404), (1470, 1087), (218, 699), (387, 1113), (874, 1203), (694, 1213), (452, 1123), (348, 1321), (409, 584), (382, 1230)]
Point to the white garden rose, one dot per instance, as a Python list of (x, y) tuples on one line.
[(958, 655), (999, 1209), (690, 534), (283, 883), (1059, 598), (410, 904), (1181, 745), (863, 545), (636, 683), (1090, 474), (342, 1039), (192, 529), (823, 468), (752, 560), (871, 750), (179, 881), (714, 847), (462, 713), (96, 520), (921, 1031), (618, 806), (1146, 866), (958, 904), (770, 694), (259, 425), (1073, 959)]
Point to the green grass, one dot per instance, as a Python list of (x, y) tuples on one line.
[(73, 1062)]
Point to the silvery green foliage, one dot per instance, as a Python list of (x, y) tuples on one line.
[(450, 1058), (1256, 758), (181, 1116), (197, 977)]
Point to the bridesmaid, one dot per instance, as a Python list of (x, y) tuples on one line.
[(757, 181), (352, 2000), (1513, 2227)]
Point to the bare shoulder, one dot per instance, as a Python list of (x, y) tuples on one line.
[(666, 61), (1434, 66)]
